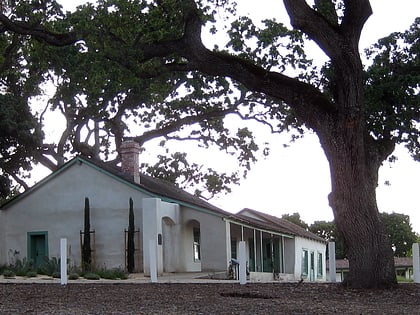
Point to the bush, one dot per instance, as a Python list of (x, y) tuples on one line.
[(56, 274), (22, 267), (50, 266), (7, 273), (92, 276), (73, 276), (112, 274), (31, 274)]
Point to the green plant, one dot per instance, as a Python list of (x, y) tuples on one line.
[(7, 273), (73, 276), (92, 276), (56, 274), (112, 274), (22, 267), (50, 266), (31, 274)]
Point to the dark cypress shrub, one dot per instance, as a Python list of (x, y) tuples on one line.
[(130, 239), (86, 249)]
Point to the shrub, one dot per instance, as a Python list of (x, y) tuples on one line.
[(73, 276), (7, 273), (31, 274), (56, 274), (92, 276), (112, 274), (22, 267), (50, 266)]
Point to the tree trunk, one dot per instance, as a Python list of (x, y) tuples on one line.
[(354, 158)]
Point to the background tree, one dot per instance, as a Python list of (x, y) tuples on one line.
[(86, 248), (356, 126), (295, 218), (401, 233), (328, 231), (130, 238)]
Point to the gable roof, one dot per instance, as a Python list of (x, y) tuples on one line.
[(280, 224), (149, 185)]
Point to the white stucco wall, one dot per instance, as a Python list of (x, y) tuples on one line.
[(57, 206), (311, 246)]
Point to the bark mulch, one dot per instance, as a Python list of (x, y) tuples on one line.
[(205, 298)]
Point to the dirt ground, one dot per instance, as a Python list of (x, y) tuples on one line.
[(204, 298)]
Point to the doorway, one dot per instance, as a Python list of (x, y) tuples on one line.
[(38, 248)]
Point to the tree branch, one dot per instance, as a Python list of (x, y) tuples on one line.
[(39, 33)]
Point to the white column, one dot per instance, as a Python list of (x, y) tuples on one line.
[(151, 227), (152, 261), (331, 257), (63, 262), (416, 262), (242, 263)]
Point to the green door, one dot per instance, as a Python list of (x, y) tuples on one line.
[(38, 247), (267, 255)]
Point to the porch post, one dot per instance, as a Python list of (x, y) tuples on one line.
[(416, 262), (255, 252), (261, 252), (242, 263)]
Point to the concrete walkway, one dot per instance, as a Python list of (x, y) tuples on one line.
[(133, 278)]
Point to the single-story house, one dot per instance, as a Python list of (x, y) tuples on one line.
[(188, 233)]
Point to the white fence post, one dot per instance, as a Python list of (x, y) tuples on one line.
[(416, 262), (331, 259), (242, 263), (63, 262)]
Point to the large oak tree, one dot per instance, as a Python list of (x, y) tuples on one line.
[(358, 115)]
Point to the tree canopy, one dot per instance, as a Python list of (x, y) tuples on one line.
[(117, 64)]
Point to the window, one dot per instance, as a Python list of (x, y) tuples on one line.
[(233, 248), (196, 245), (320, 266), (305, 263)]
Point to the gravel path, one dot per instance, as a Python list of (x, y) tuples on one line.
[(204, 298)]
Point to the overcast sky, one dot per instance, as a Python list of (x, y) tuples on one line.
[(296, 178)]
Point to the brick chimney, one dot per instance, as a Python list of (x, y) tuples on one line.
[(129, 152)]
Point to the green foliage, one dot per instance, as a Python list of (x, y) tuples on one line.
[(400, 232), (111, 274), (22, 267), (392, 88), (50, 266), (73, 276), (329, 232), (7, 273), (31, 274), (91, 276), (295, 218)]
